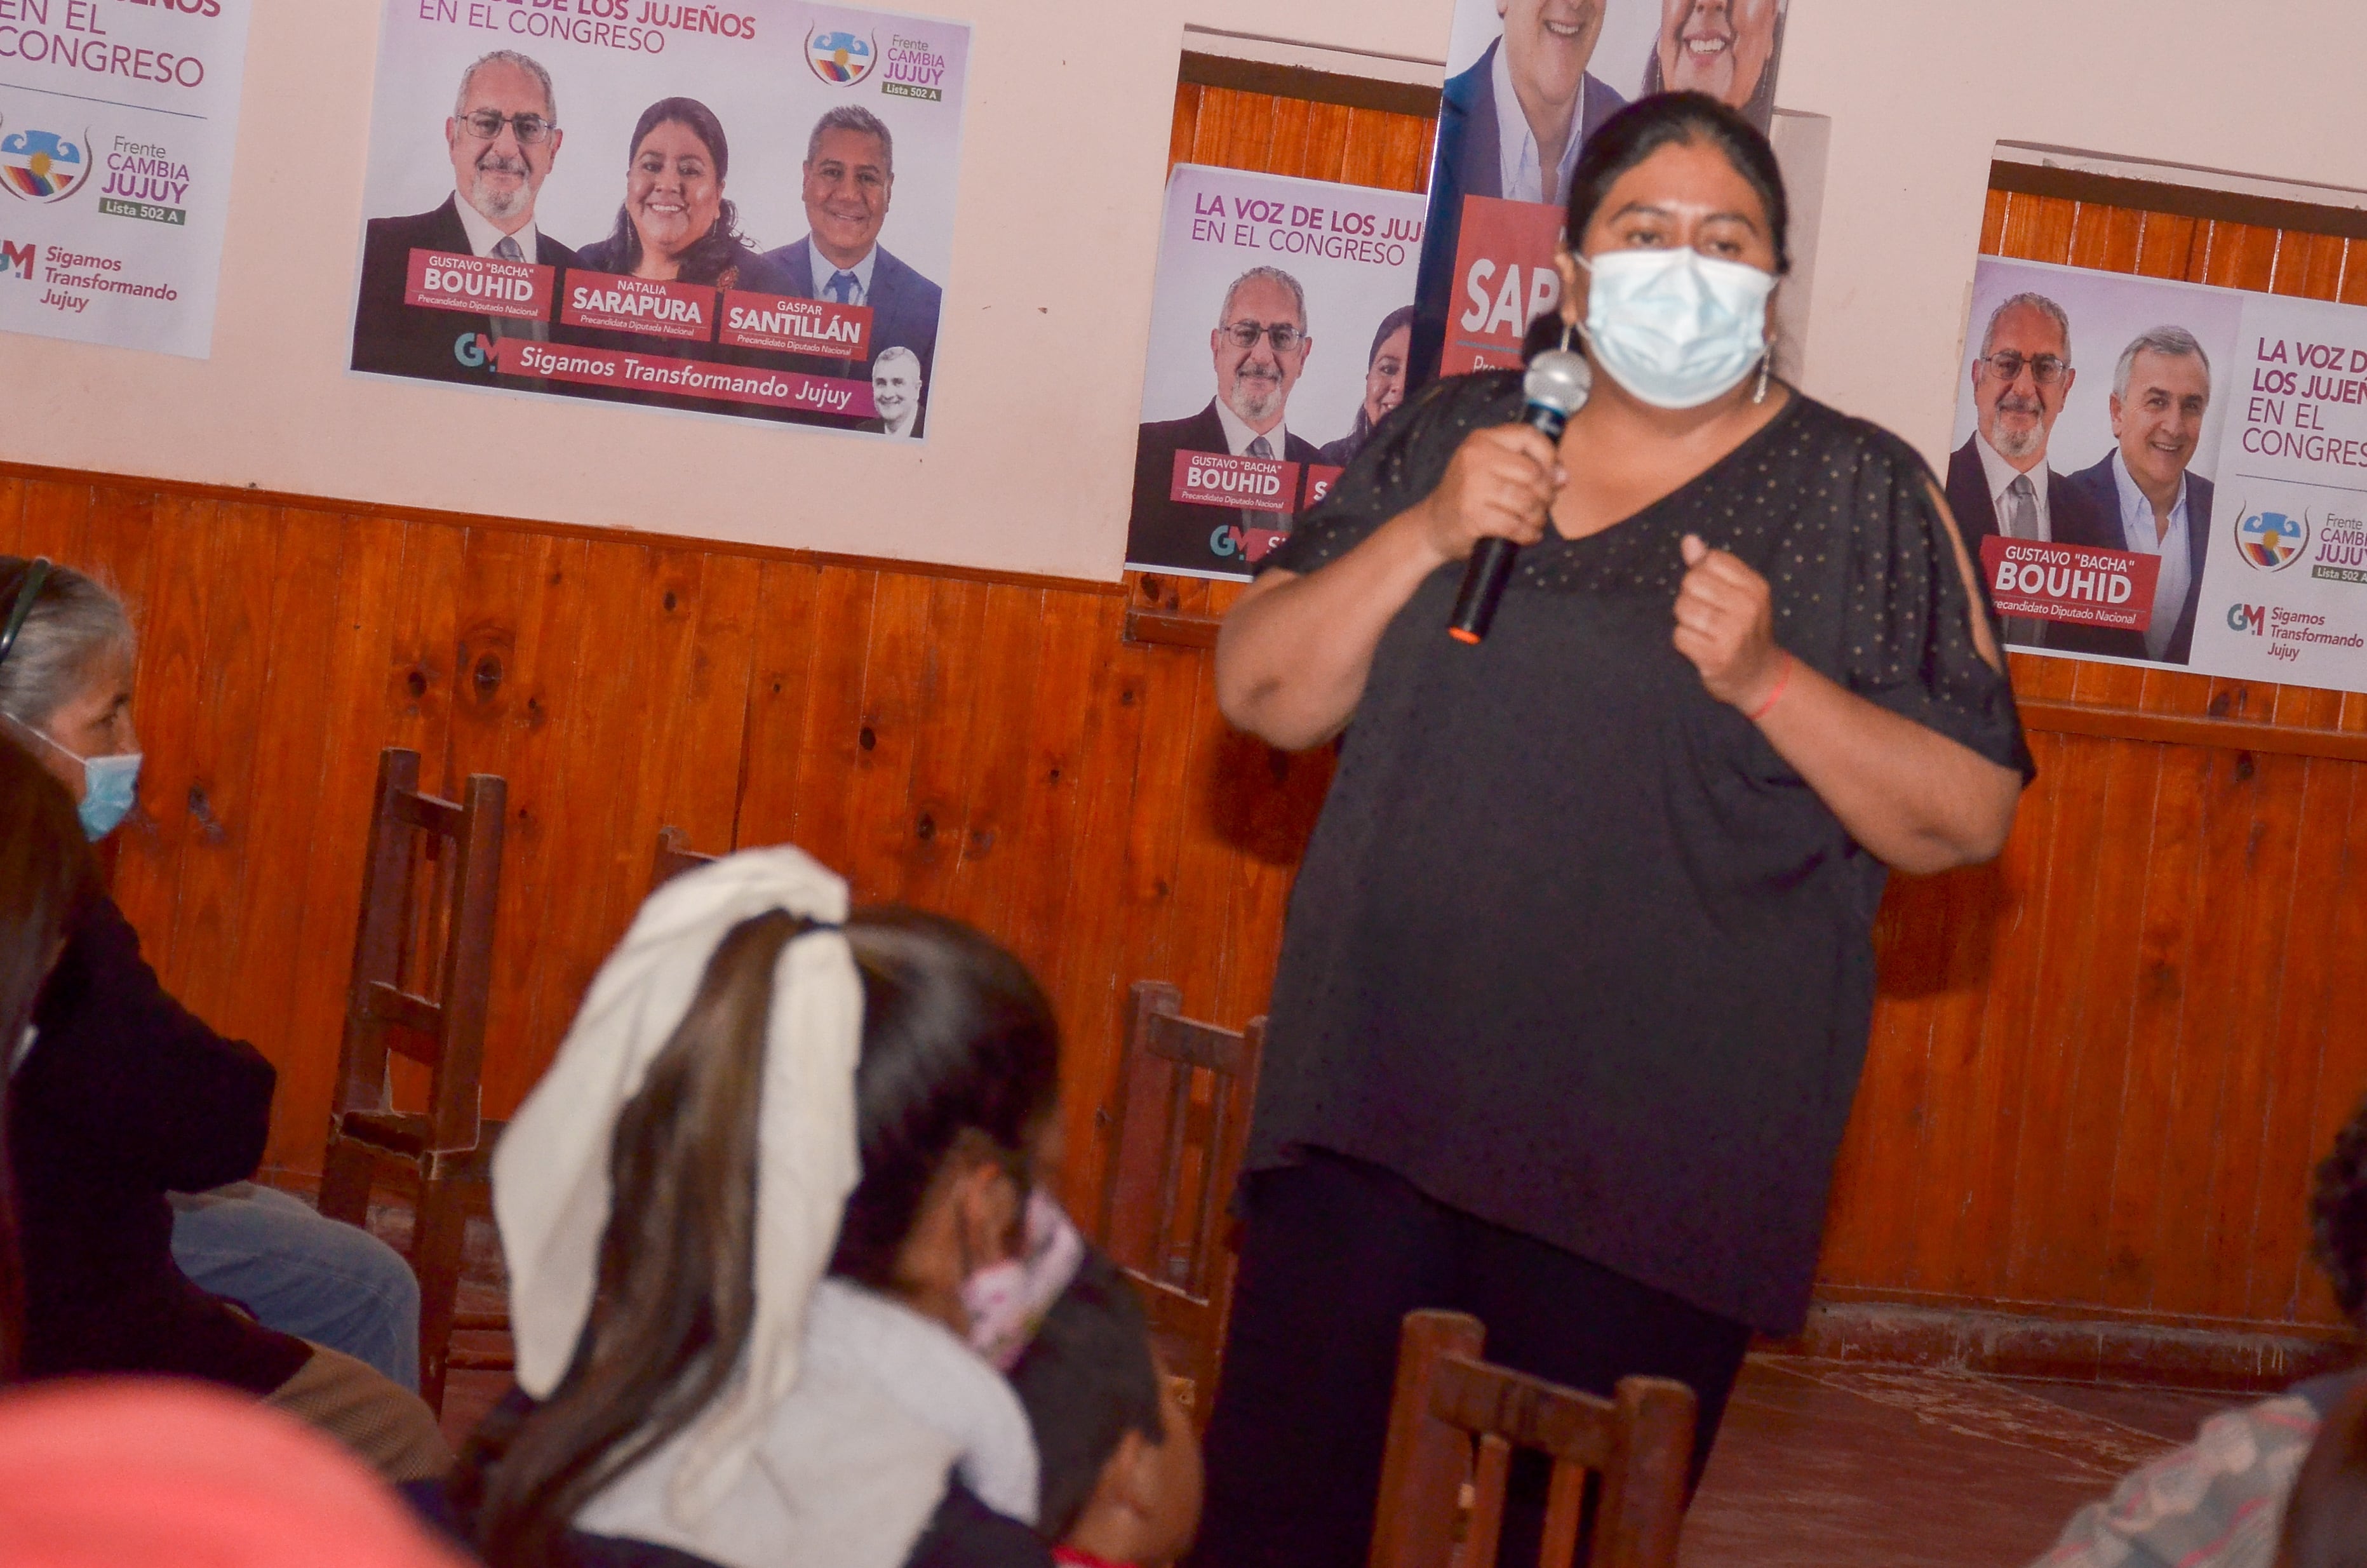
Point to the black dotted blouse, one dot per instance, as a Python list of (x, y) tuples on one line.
[(1573, 950)]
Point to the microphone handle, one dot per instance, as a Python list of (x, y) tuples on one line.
[(1491, 565), (1484, 577)]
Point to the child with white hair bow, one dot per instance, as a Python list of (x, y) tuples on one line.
[(756, 1216)]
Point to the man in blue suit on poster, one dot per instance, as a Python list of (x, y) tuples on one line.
[(1510, 126), (2145, 501), (850, 176)]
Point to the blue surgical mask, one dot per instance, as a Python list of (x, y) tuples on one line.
[(109, 786), (1674, 327)]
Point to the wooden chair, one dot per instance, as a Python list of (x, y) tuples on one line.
[(675, 856), (1175, 1154), (423, 970), (1449, 1403)]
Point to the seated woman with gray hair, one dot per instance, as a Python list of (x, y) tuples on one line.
[(119, 1096)]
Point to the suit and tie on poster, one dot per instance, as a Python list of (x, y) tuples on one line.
[(118, 124), (1528, 81), (2090, 417), (1279, 339), (743, 211), (2166, 473)]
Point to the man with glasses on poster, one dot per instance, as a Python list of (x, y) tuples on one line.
[(1260, 346), (2000, 483), (502, 138)]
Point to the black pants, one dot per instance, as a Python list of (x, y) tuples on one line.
[(1335, 1253)]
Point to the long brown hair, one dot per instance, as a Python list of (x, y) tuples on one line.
[(46, 877), (958, 1046)]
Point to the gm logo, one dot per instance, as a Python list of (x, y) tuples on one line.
[(474, 350), (18, 261), (2253, 618)]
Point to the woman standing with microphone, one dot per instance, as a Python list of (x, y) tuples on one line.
[(1578, 974)]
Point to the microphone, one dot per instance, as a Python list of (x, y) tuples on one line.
[(1556, 387)]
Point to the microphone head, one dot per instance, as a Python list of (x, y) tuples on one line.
[(1560, 380)]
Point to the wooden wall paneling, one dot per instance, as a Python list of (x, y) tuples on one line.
[(172, 685), (981, 860), (895, 708), (2342, 1052), (2207, 1248), (1094, 966), (2167, 247), (949, 763), (1993, 211), (1326, 156), (520, 614), (267, 848), (1064, 758), (13, 533), (596, 752), (420, 681), (1287, 146), (2025, 1051), (238, 562), (787, 643), (2292, 1038), (354, 721), (1187, 123), (1390, 152), (1237, 129), (701, 792), (53, 520), (682, 735), (835, 727)]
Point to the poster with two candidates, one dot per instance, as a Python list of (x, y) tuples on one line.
[(1278, 340), (741, 210), (2166, 473), (1528, 81), (118, 124)]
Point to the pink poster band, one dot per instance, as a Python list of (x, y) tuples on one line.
[(685, 377), (2076, 583), (480, 285), (1245, 484)]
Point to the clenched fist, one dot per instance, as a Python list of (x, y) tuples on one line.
[(1726, 625)]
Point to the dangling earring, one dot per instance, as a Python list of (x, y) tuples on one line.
[(1568, 327), (1766, 360)]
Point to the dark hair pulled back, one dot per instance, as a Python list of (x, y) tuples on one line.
[(46, 879), (959, 1053), (1679, 120)]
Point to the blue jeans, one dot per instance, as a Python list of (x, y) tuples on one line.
[(320, 1279)]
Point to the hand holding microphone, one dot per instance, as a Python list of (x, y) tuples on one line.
[(1556, 388)]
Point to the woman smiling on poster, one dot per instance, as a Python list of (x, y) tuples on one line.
[(1385, 385), (1725, 48), (676, 226), (1578, 975)]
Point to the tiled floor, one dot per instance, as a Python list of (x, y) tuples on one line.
[(1830, 1465)]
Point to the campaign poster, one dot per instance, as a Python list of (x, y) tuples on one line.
[(1527, 82), (2171, 474), (1279, 334), (745, 211), (118, 124)]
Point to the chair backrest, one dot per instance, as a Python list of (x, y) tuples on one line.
[(423, 954), (1178, 1121), (675, 856), (1455, 1420)]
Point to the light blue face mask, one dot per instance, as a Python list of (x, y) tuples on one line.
[(1674, 327), (109, 786)]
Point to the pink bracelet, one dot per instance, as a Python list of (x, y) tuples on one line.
[(1777, 695)]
